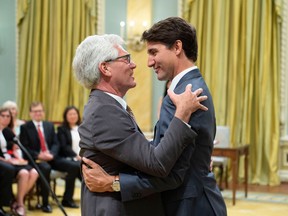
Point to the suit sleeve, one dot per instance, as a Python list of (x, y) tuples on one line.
[(122, 141), (136, 185)]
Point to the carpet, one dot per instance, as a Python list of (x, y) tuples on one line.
[(257, 196)]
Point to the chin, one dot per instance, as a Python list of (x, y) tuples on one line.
[(161, 78)]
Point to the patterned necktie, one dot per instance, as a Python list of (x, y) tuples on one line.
[(42, 140), (128, 109)]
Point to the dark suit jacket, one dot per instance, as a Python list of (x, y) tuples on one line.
[(192, 167), (111, 138), (30, 139), (65, 141)]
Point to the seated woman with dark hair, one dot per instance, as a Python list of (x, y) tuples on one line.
[(25, 175), (68, 137)]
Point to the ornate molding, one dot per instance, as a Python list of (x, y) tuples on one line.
[(100, 16)]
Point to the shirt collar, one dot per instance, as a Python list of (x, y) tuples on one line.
[(178, 77), (38, 123), (119, 99)]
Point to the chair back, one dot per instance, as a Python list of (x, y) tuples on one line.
[(222, 137)]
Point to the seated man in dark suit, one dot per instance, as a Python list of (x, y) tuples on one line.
[(40, 139)]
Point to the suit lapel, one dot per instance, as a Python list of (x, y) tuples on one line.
[(33, 135), (111, 100), (68, 135)]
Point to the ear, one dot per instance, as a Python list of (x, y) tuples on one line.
[(178, 46), (104, 69)]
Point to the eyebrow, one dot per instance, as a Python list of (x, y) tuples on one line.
[(152, 50)]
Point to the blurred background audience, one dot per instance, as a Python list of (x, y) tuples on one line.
[(40, 139), (14, 167), (12, 106)]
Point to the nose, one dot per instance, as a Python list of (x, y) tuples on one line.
[(151, 61), (132, 65)]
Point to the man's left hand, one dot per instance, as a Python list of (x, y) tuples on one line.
[(96, 179)]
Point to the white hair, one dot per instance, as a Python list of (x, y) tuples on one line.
[(10, 104), (90, 53)]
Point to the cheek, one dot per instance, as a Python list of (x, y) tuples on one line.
[(72, 118), (6, 121), (39, 116)]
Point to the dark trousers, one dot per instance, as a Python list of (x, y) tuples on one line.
[(7, 174), (190, 207), (72, 168)]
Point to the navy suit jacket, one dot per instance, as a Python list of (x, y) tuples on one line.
[(192, 168)]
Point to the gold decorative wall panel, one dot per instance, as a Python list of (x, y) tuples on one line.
[(140, 98)]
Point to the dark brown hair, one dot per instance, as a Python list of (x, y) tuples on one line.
[(34, 104), (11, 123), (67, 109), (169, 30)]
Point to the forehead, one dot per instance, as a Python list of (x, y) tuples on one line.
[(71, 111), (37, 107), (155, 46), (121, 50), (4, 112)]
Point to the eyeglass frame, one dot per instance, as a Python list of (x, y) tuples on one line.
[(37, 111), (127, 57)]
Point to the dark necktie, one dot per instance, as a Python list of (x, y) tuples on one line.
[(41, 137)]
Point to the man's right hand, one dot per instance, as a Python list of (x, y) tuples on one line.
[(96, 179)]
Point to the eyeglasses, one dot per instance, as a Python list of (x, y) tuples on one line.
[(127, 58), (5, 116), (36, 111)]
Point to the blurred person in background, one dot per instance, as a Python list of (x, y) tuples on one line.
[(25, 175), (12, 106), (40, 139), (68, 136)]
